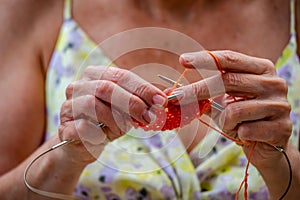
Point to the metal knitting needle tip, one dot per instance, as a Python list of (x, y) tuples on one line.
[(173, 96), (100, 125), (169, 80), (217, 106)]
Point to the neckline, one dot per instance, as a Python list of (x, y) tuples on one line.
[(291, 42)]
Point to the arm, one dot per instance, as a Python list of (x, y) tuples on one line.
[(22, 103), (22, 93), (22, 57), (54, 173), (277, 184)]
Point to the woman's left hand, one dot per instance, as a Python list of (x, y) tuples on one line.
[(263, 114)]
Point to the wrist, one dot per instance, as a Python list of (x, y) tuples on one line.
[(53, 171), (66, 157), (277, 174)]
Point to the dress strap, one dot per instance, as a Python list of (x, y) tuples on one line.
[(292, 17), (68, 9)]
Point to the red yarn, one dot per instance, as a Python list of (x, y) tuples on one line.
[(171, 118), (245, 179), (175, 116)]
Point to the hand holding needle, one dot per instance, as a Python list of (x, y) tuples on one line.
[(213, 103), (172, 96)]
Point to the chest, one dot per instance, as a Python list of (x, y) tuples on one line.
[(258, 28)]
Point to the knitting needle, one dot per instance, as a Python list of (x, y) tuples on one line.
[(171, 97), (213, 103), (169, 80)]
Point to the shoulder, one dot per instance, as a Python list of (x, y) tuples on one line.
[(28, 22), (22, 15)]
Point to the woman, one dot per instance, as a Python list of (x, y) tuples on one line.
[(263, 117)]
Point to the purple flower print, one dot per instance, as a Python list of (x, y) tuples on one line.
[(107, 174), (261, 194), (197, 195), (105, 189), (173, 141), (297, 102), (59, 68), (56, 119), (221, 194), (112, 196), (166, 167), (107, 192), (154, 141), (203, 174), (286, 72), (82, 192), (168, 192), (74, 39), (295, 117), (132, 194), (243, 161)]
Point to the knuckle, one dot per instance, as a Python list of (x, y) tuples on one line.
[(231, 80), (67, 105), (142, 89), (277, 85), (81, 125), (230, 56), (283, 86), (88, 71), (288, 127), (103, 87), (118, 74), (135, 107), (199, 90), (284, 131), (83, 107), (65, 110), (89, 68), (233, 113), (89, 102), (61, 129), (67, 131), (75, 89), (286, 106), (269, 66), (245, 131), (70, 90)]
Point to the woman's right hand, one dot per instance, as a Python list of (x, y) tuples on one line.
[(107, 95)]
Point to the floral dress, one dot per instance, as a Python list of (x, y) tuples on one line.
[(158, 166)]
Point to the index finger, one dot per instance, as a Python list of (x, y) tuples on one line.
[(128, 81), (230, 61)]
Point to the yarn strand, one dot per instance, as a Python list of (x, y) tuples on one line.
[(245, 179)]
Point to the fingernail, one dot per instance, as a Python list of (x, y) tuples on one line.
[(159, 100), (149, 116), (188, 58)]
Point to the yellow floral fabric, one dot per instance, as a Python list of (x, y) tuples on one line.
[(158, 167)]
